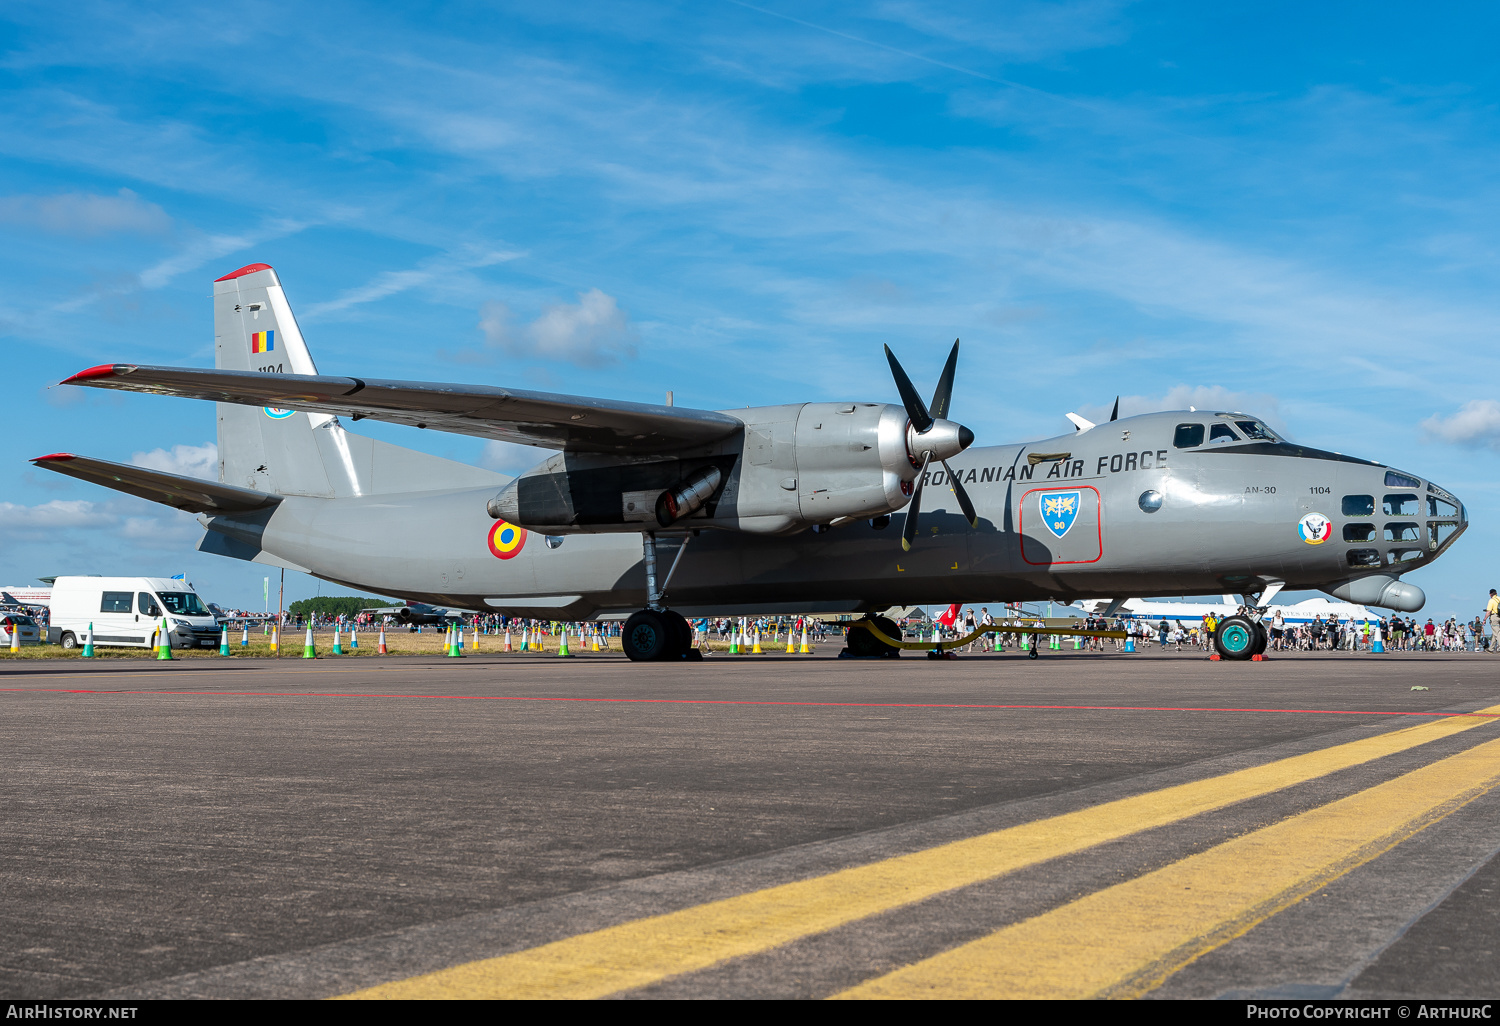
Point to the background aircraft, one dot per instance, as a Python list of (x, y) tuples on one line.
[(417, 613), (807, 507)]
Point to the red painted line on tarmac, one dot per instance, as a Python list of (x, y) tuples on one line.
[(751, 702)]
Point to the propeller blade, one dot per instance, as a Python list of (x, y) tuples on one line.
[(963, 496), (915, 409), (1114, 414), (944, 391), (914, 507)]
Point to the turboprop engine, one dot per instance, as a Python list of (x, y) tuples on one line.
[(789, 468)]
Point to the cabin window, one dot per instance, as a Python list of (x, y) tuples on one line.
[(1439, 508), (1359, 532), (1402, 555), (1399, 506), (146, 605), (1188, 435), (1403, 532), (1222, 433), (1441, 532), (1359, 505), (1395, 480), (115, 602), (1256, 430), (1363, 557)]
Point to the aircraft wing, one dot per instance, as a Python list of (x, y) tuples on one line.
[(190, 493), (572, 423)]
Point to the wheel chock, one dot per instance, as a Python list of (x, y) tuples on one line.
[(1216, 658)]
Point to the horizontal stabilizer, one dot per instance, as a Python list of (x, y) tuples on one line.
[(187, 493), (571, 423)]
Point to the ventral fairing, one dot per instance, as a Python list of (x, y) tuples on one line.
[(806, 507)]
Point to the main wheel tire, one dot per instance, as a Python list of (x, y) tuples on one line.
[(68, 640), (862, 643), (1262, 639), (647, 636), (680, 636), (1236, 638)]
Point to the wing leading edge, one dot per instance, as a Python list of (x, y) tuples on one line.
[(551, 421)]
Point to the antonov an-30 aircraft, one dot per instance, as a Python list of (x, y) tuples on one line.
[(808, 507)]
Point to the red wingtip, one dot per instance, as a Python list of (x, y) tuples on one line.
[(52, 456), (104, 370), (247, 269)]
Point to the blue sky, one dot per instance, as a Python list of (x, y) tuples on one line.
[(1284, 208)]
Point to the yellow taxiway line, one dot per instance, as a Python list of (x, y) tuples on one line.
[(1125, 940), (642, 952)]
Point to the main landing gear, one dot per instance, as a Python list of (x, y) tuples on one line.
[(657, 633)]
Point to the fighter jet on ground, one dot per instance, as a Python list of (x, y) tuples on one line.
[(417, 613), (808, 507)]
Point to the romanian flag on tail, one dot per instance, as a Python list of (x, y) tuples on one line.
[(262, 341)]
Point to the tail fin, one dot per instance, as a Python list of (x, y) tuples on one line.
[(291, 453)]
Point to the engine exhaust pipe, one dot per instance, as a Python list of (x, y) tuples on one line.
[(687, 498)]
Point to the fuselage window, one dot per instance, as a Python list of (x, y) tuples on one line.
[(1364, 557), (1256, 430), (1399, 506), (1188, 435), (1359, 505), (1441, 532), (1403, 532), (1402, 555), (1222, 433), (1438, 508), (1395, 480), (1359, 532), (115, 602)]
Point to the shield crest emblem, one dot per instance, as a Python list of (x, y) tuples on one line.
[(1059, 510)]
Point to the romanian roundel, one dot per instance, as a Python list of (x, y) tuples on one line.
[(506, 540)]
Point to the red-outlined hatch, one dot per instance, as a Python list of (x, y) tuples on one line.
[(1082, 542)]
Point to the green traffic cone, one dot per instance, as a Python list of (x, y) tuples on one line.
[(224, 640), (562, 648), (309, 651), (338, 649), (88, 643), (164, 649)]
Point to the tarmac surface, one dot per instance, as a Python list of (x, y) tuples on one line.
[(1150, 825)]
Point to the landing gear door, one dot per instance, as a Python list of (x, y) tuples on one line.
[(1061, 525)]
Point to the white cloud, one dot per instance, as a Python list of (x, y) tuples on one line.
[(389, 283), (86, 214), (593, 331), (510, 458), (200, 461), (1477, 423), (50, 517)]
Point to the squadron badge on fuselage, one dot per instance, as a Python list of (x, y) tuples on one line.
[(1059, 510), (1315, 529)]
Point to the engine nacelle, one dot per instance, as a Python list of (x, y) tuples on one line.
[(791, 467)]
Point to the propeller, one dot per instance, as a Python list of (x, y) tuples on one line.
[(934, 436)]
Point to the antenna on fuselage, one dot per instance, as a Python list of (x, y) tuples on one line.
[(1114, 414)]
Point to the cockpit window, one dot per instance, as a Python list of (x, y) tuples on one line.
[(1359, 505), (1222, 433), (1188, 435), (1395, 480), (1364, 557), (1359, 533), (1403, 555), (1399, 506), (1256, 430)]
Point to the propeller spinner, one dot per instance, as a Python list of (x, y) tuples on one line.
[(931, 436)]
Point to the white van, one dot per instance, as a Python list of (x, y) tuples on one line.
[(128, 610)]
